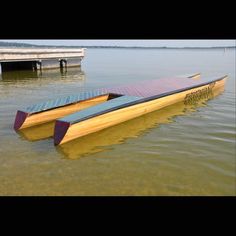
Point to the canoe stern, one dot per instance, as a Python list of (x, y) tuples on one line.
[(20, 119), (60, 130)]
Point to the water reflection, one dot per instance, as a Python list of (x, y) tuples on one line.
[(18, 75), (60, 73), (38, 132)]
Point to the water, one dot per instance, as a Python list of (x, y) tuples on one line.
[(178, 150)]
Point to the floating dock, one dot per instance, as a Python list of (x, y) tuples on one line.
[(39, 58), (85, 113)]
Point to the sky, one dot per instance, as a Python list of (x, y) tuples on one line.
[(144, 43)]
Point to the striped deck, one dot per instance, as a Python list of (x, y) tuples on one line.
[(144, 89), (60, 102), (99, 109), (87, 112), (66, 109), (158, 87), (135, 94)]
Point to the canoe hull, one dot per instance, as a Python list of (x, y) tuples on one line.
[(25, 120), (97, 123)]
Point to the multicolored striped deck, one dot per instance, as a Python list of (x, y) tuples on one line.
[(111, 105), (131, 95), (145, 89), (88, 112), (60, 102)]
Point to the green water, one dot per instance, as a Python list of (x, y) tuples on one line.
[(178, 150)]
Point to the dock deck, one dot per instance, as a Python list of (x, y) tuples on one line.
[(39, 58)]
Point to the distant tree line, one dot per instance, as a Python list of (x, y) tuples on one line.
[(14, 44)]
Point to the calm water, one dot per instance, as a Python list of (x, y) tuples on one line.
[(178, 150)]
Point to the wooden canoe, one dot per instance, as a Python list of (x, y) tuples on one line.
[(89, 112), (51, 110)]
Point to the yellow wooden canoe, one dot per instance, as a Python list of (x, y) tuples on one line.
[(85, 113)]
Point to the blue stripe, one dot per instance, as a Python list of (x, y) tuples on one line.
[(149, 91), (99, 109), (62, 101)]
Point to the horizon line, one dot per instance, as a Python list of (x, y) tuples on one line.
[(15, 44)]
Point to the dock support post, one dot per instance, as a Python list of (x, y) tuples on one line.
[(63, 66), (37, 65), (63, 63)]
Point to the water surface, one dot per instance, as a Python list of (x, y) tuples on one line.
[(178, 150)]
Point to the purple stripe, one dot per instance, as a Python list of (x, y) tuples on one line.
[(60, 130), (154, 87), (20, 118)]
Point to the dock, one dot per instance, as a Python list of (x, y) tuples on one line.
[(39, 58)]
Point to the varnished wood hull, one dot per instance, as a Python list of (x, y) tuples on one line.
[(51, 110), (65, 131), (25, 120), (116, 134), (91, 111)]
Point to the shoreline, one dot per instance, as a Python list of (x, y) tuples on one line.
[(25, 45)]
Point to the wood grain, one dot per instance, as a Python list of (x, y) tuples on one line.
[(50, 115), (115, 117)]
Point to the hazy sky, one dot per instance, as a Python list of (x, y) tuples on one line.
[(145, 43)]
